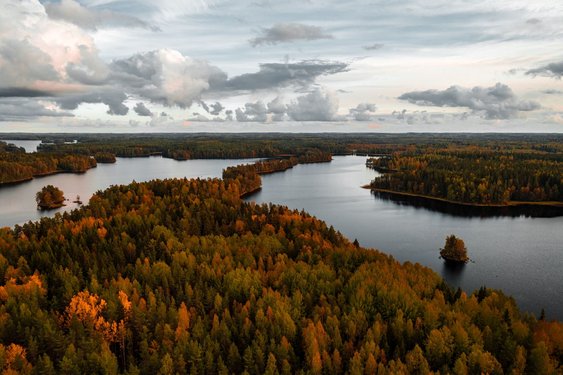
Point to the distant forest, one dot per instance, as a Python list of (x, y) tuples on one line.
[(433, 154), (484, 174), (182, 276)]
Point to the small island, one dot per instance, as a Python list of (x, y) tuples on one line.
[(454, 250), (105, 157), (50, 197)]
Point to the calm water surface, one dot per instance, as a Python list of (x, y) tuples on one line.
[(17, 202), (29, 146), (521, 255)]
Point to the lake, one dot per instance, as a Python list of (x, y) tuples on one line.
[(17, 202), (29, 146), (521, 255)]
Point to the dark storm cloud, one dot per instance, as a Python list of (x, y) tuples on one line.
[(554, 70), (142, 110), (288, 32), (276, 75), (496, 102), (87, 18)]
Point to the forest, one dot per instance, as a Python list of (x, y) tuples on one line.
[(492, 152), (182, 276), (18, 166), (490, 174)]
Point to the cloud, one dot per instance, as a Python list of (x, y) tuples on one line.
[(213, 109), (165, 76), (159, 120), (552, 92), (554, 70), (424, 117), (277, 108), (319, 105), (287, 33), (17, 109), (496, 102), (74, 12), (373, 47), (197, 117), (90, 69), (276, 75), (252, 112), (42, 55), (22, 64), (142, 110), (399, 115), (363, 112), (17, 92), (113, 98)]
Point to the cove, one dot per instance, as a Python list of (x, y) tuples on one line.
[(521, 255)]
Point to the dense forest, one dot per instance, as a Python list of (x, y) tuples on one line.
[(185, 148), (248, 175), (492, 151), (16, 165), (472, 174), (182, 276), (250, 145)]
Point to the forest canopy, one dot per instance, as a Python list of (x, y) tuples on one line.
[(454, 250), (474, 175), (182, 276), (49, 197)]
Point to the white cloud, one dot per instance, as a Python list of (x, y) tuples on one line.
[(165, 76), (363, 112), (495, 102), (319, 105), (35, 50)]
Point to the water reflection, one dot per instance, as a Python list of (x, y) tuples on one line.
[(521, 255), (453, 272), (470, 211)]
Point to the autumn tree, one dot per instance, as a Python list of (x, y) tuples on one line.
[(454, 250), (49, 197)]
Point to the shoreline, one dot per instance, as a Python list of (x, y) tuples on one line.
[(15, 182), (553, 204), (39, 175)]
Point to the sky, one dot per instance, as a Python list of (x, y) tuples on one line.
[(281, 66)]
